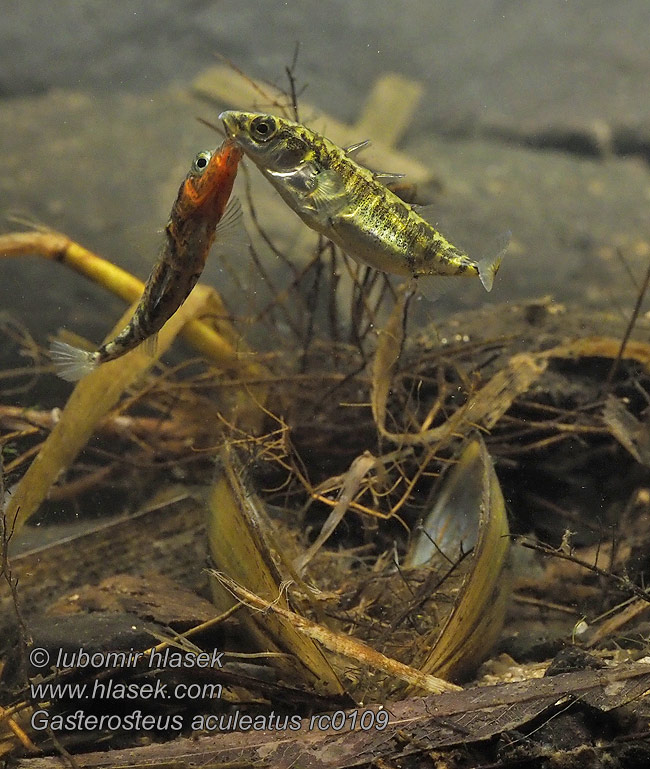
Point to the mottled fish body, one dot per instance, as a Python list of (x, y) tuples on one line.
[(347, 203), (199, 213)]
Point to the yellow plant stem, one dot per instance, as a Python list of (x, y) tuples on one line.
[(59, 248)]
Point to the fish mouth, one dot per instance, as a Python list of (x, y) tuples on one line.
[(230, 122)]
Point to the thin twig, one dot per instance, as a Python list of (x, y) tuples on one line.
[(628, 331), (622, 582), (290, 70)]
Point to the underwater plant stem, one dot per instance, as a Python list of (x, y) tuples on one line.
[(59, 248)]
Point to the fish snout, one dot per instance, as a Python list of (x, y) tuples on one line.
[(232, 122)]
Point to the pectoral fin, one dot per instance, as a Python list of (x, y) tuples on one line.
[(156, 289), (328, 196), (231, 238)]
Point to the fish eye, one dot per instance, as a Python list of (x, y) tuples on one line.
[(201, 162), (263, 128)]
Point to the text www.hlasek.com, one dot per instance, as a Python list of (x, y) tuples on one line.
[(80, 720), (115, 690), (50, 693)]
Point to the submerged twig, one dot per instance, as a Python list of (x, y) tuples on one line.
[(53, 245), (630, 327), (339, 643), (291, 76), (621, 582)]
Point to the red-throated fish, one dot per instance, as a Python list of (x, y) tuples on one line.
[(200, 214)]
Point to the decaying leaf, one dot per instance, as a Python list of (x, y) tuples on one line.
[(153, 598), (350, 486), (601, 347), (484, 407), (173, 525), (632, 434)]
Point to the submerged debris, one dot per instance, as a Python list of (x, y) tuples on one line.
[(341, 441)]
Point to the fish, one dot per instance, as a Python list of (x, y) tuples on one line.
[(201, 213), (348, 203)]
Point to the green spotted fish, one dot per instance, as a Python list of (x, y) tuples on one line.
[(348, 203)]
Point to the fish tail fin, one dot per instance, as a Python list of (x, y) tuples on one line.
[(70, 362), (489, 265)]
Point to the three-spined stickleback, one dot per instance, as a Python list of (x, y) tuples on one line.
[(347, 203), (199, 215)]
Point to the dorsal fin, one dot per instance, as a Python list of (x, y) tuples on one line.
[(386, 177), (354, 149)]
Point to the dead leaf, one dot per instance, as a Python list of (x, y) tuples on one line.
[(93, 397)]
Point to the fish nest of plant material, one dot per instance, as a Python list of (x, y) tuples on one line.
[(333, 437)]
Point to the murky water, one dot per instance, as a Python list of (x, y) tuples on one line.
[(531, 117)]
